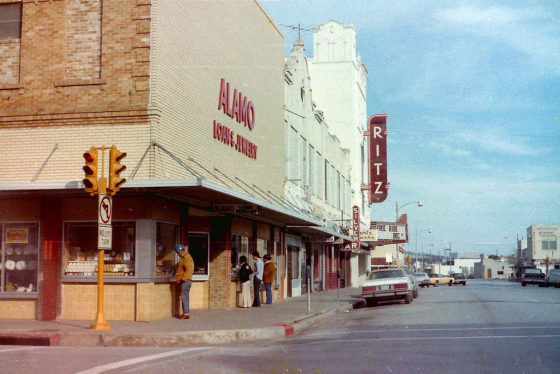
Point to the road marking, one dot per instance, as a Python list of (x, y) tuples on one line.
[(17, 349), (450, 329), (134, 361), (437, 338)]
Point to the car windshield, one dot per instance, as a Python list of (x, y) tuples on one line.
[(420, 275), (532, 271), (386, 274)]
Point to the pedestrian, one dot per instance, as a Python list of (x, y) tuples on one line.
[(268, 277), (245, 272), (184, 278), (257, 279)]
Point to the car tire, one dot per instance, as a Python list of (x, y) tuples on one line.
[(523, 284), (415, 294), (408, 298), (371, 302), (464, 283), (436, 284), (450, 283)]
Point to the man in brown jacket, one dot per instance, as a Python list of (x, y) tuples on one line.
[(184, 278), (268, 277)]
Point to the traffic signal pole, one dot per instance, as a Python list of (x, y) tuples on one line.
[(98, 186)]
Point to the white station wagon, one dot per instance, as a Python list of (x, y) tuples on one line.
[(387, 284)]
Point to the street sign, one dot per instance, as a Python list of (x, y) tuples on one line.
[(105, 209), (105, 237), (368, 236)]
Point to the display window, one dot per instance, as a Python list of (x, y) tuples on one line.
[(167, 237), (239, 247), (199, 244), (80, 249), (20, 256)]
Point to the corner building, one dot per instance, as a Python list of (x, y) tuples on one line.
[(193, 93)]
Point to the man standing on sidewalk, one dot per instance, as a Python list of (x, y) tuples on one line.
[(259, 267), (268, 277), (184, 278)]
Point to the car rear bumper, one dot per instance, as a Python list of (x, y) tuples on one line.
[(385, 294)]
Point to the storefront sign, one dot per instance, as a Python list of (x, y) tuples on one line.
[(368, 236), (238, 107), (377, 140), (105, 237), (236, 208), (17, 235), (390, 232), (356, 228)]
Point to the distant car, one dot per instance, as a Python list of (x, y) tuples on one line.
[(552, 278), (437, 279), (459, 278), (423, 279), (532, 276), (387, 284), (414, 283)]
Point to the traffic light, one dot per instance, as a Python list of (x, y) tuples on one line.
[(90, 170), (115, 170)]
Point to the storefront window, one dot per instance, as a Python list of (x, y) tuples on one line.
[(198, 248), (167, 236), (277, 262), (20, 254), (80, 249), (239, 247)]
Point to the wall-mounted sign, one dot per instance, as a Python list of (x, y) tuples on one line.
[(377, 141), (390, 232), (241, 109), (236, 208), (356, 228), (368, 236)]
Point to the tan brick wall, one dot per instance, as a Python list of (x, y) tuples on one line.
[(9, 61), (79, 301), (194, 45), (83, 39), (24, 309)]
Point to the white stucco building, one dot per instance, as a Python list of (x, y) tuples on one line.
[(338, 81), (542, 242)]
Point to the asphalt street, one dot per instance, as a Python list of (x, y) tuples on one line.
[(484, 327)]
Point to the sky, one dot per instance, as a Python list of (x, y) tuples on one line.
[(472, 90)]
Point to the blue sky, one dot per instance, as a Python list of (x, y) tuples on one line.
[(472, 89)]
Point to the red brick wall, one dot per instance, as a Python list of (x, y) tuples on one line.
[(51, 250)]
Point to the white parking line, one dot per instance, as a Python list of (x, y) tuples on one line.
[(17, 349), (134, 361), (436, 338), (449, 329)]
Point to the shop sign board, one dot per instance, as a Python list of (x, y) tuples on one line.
[(368, 236), (236, 208), (377, 144), (105, 237), (356, 228), (390, 232)]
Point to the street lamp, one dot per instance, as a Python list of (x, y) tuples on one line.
[(429, 231), (397, 207)]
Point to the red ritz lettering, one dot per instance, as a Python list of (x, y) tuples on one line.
[(239, 107)]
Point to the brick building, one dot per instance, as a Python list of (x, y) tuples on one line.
[(193, 93)]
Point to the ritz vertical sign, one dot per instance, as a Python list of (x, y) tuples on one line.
[(377, 134), (355, 228)]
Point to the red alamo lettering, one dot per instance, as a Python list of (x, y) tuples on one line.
[(239, 107)]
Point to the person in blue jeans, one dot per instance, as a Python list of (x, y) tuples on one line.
[(184, 278), (257, 279), (268, 277)]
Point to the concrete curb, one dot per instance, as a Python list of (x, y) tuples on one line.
[(186, 338)]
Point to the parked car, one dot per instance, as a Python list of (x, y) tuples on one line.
[(459, 278), (414, 283), (532, 276), (423, 279), (387, 284), (437, 279), (552, 278)]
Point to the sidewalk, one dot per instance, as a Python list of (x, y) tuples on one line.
[(269, 322)]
